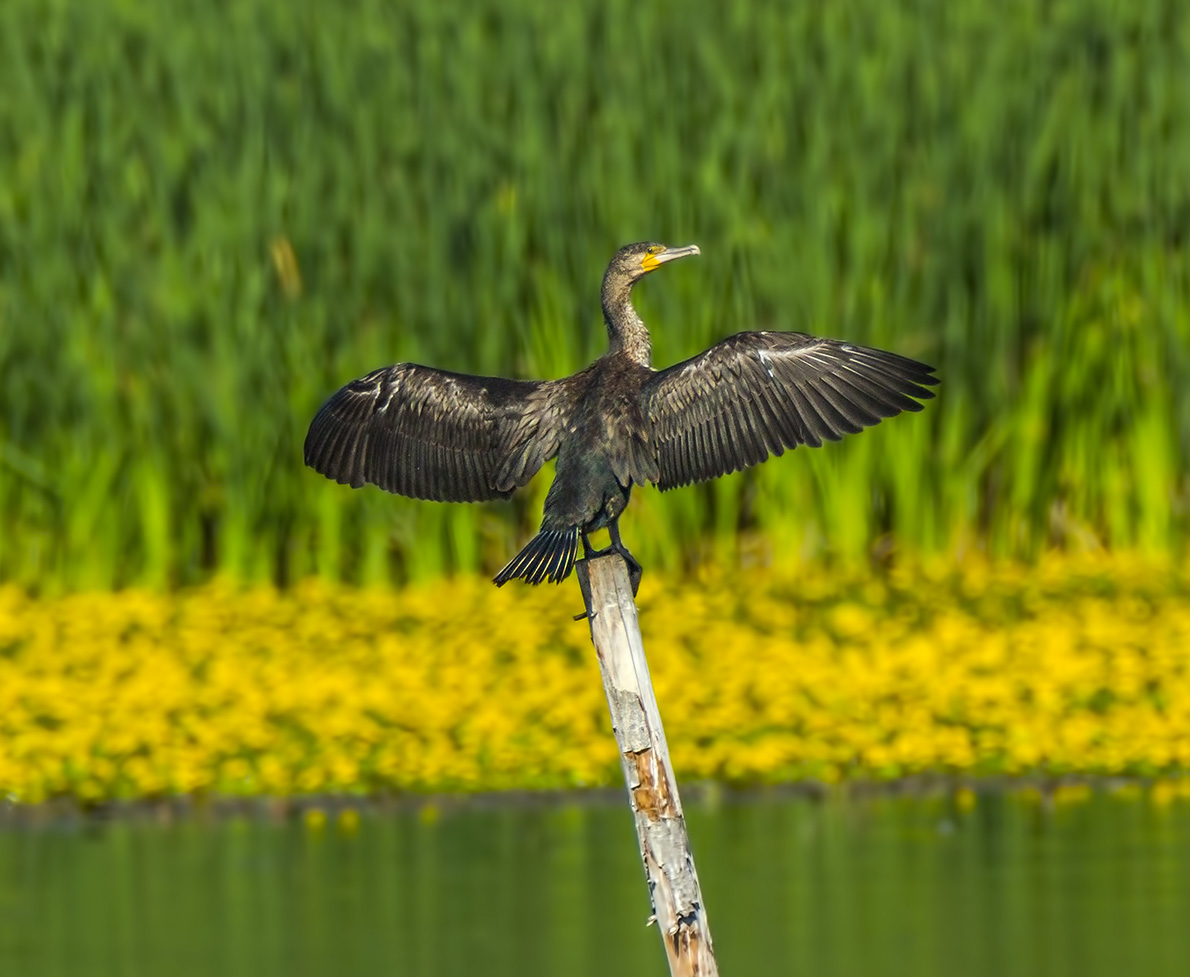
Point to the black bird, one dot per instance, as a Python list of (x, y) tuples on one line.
[(431, 434)]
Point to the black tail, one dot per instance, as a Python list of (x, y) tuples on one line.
[(548, 555)]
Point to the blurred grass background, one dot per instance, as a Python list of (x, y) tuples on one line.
[(214, 214)]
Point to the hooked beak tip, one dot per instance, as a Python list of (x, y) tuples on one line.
[(672, 254)]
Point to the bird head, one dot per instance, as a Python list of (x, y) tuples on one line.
[(634, 261)]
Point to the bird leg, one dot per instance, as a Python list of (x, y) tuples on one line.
[(584, 585), (634, 569), (617, 546)]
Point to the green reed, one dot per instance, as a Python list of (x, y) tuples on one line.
[(212, 215)]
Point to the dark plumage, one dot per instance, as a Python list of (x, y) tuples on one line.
[(430, 434)]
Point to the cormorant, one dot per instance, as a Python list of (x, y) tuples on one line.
[(451, 437)]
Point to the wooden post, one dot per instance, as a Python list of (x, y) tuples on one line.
[(652, 787)]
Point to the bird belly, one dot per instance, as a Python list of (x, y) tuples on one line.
[(584, 493), (614, 503)]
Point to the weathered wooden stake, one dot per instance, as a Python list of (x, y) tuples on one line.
[(652, 787)]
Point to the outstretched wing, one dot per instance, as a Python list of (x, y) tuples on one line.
[(759, 393), (430, 434)]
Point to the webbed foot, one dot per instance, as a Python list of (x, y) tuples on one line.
[(617, 546)]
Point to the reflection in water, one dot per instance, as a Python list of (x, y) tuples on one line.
[(882, 885)]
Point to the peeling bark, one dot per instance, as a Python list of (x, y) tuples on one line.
[(648, 773)]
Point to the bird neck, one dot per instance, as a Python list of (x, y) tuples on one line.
[(626, 332)]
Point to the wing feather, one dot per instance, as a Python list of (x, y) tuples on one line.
[(834, 424), (758, 393), (432, 434)]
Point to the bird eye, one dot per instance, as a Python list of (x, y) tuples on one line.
[(656, 249)]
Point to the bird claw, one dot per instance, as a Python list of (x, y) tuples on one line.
[(635, 571), (634, 568), (584, 584)]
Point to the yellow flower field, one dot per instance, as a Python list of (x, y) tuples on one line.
[(1075, 665)]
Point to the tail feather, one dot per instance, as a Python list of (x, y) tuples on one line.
[(547, 556)]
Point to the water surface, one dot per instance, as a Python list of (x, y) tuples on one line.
[(876, 886)]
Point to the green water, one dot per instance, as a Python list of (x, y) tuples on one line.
[(876, 886)]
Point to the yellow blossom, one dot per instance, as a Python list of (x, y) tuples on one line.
[(1079, 664)]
